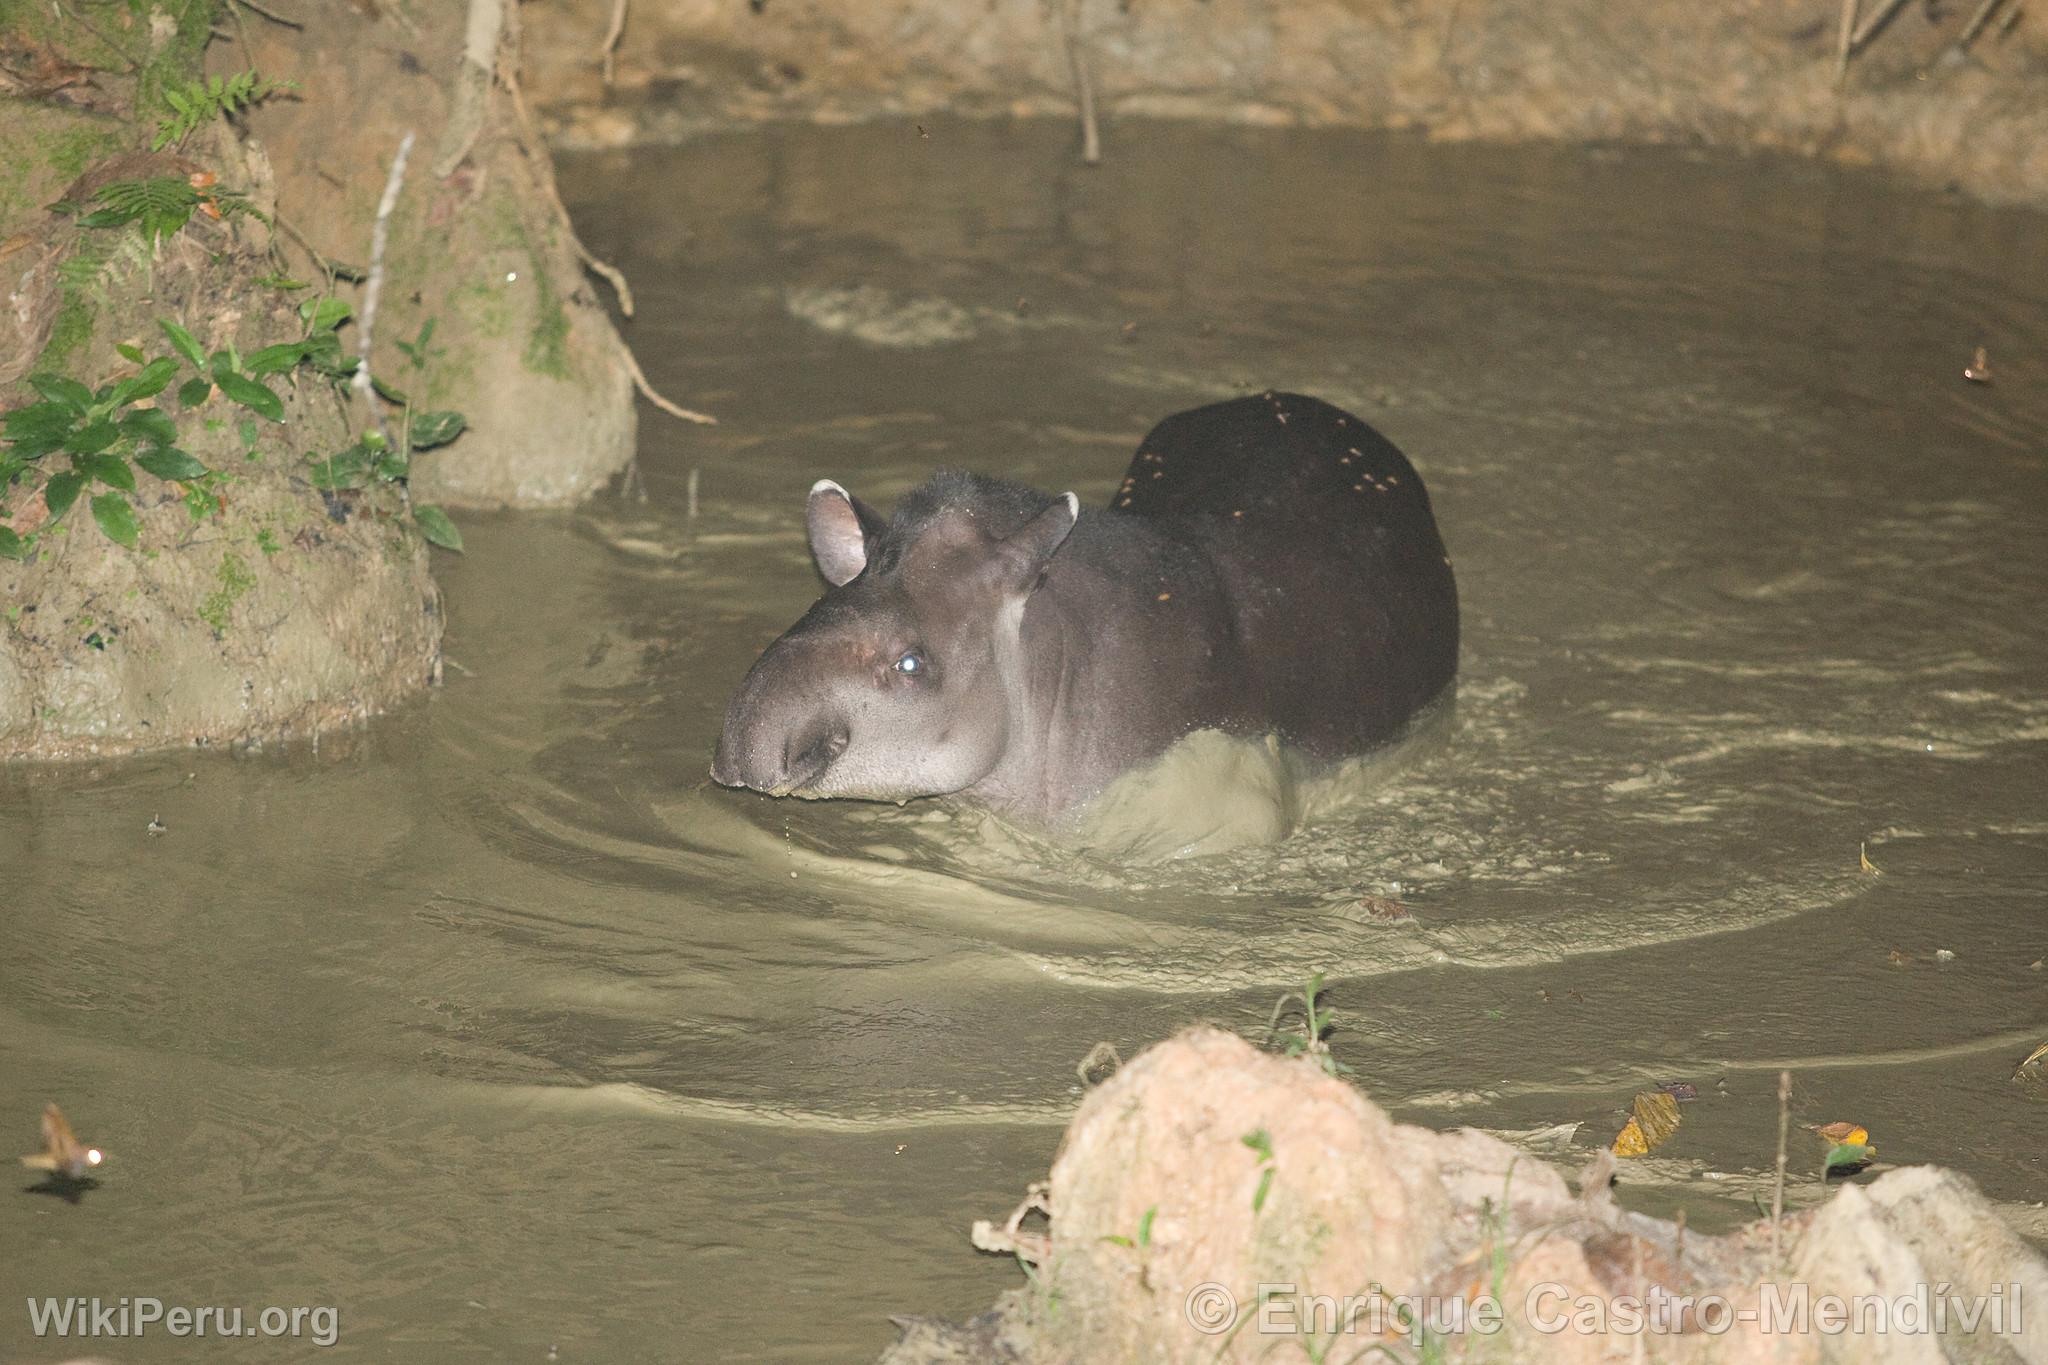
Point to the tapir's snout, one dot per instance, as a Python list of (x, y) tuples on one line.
[(776, 739)]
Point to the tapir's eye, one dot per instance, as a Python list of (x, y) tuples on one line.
[(909, 663)]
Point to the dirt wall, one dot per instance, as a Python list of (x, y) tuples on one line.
[(1762, 73)]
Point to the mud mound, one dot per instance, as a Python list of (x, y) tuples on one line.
[(1212, 1202)]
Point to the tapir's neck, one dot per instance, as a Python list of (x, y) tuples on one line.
[(1031, 660)]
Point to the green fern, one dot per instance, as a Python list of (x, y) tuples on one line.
[(200, 101), (160, 205)]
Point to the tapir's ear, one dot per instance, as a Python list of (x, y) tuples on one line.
[(1030, 547), (839, 527)]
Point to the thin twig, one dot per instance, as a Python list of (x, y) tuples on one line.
[(1778, 1190), (1848, 31), (272, 15), (1084, 86), (1879, 17), (610, 46), (241, 32), (363, 384), (1975, 26), (96, 31), (320, 262)]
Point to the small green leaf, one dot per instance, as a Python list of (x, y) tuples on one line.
[(1265, 1188), (387, 392), (193, 392), (286, 355), (349, 469), (151, 382), (430, 429), (117, 519), (1145, 1226), (393, 467), (171, 464), (38, 428), (150, 424), (93, 437), (1260, 1141), (182, 339), (131, 354), (436, 527), (111, 470), (326, 313), (12, 546), (58, 389), (61, 491), (1116, 1239), (251, 394), (281, 282)]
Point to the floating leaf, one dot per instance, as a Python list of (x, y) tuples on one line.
[(436, 527), (251, 394), (171, 464), (430, 429), (1650, 1126), (132, 354), (117, 519)]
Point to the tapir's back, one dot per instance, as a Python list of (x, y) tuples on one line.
[(1345, 604)]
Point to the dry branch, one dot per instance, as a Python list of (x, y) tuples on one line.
[(364, 386)]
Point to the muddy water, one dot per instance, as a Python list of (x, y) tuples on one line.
[(497, 1028)]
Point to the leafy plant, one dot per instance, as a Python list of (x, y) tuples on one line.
[(1312, 1039), (159, 205), (373, 459), (198, 101), (1260, 1141), (103, 436), (420, 350)]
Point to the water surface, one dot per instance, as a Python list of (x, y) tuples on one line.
[(498, 1027)]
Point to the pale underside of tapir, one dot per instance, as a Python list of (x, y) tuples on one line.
[(1269, 566)]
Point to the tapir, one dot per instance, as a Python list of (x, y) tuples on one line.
[(1269, 566)]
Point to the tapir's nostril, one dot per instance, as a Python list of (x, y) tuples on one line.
[(809, 754)]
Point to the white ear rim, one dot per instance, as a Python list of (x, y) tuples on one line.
[(1073, 505), (827, 486)]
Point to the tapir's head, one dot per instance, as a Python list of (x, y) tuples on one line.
[(900, 680)]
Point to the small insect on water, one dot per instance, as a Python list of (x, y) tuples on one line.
[(63, 1155), (1979, 369)]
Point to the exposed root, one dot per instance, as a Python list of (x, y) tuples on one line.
[(609, 48), (1010, 1239)]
